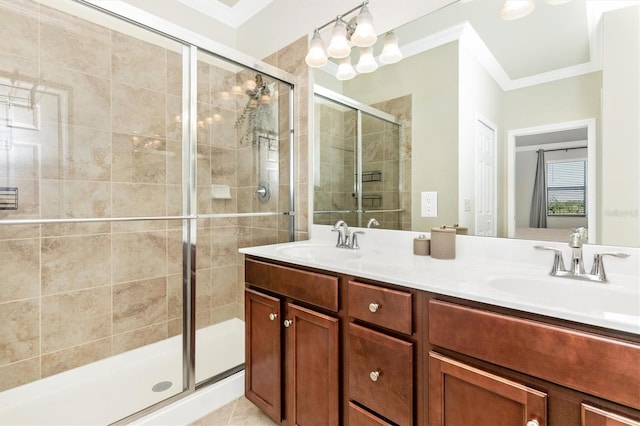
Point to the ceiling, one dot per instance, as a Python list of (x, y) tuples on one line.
[(551, 37), (233, 13)]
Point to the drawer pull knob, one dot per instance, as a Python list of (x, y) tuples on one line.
[(287, 323), (533, 422), (272, 317), (374, 377), (373, 307)]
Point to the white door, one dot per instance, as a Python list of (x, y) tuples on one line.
[(485, 179)]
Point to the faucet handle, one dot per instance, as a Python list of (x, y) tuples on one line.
[(558, 262), (598, 265), (354, 239)]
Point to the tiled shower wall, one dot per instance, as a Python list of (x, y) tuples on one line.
[(335, 185), (385, 149), (109, 145)]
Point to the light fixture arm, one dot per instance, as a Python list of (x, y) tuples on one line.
[(339, 17)]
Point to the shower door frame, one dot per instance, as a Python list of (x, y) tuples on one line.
[(361, 108), (192, 43)]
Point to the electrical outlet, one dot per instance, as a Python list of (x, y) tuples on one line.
[(467, 204), (429, 205)]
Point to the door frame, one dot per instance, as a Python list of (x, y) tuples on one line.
[(592, 184)]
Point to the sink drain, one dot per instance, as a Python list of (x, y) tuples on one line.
[(161, 386)]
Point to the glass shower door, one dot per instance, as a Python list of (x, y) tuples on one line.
[(91, 297), (243, 192), (357, 168)]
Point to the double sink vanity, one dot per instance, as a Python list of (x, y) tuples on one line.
[(379, 336)]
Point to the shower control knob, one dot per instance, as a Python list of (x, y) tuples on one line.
[(272, 317), (287, 323)]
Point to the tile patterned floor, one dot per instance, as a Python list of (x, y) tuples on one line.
[(240, 412)]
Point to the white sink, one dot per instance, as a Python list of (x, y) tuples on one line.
[(315, 252), (564, 293)]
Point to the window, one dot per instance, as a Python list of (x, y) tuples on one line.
[(566, 188)]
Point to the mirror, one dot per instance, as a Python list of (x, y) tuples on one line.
[(487, 94)]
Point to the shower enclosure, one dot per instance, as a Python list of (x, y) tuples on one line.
[(133, 165), (357, 163)]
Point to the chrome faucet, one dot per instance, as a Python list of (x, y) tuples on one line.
[(346, 239), (576, 271), (575, 242), (373, 222), (343, 233)]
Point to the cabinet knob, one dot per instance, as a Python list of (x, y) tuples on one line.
[(288, 323), (533, 422), (272, 317), (373, 307), (374, 377)]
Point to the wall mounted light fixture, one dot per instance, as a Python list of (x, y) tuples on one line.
[(516, 9), (345, 36)]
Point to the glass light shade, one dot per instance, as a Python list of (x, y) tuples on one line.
[(516, 9), (345, 69), (250, 85), (364, 35), (390, 52), (367, 62), (316, 56), (339, 46)]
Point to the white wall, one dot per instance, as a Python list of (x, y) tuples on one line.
[(480, 97), (621, 129)]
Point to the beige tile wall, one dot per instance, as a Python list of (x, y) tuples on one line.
[(401, 109), (77, 293)]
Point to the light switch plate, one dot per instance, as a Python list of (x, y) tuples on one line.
[(429, 204)]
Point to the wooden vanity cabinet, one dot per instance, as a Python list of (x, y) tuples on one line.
[(382, 355), (292, 351), (325, 348), (530, 371), (593, 416)]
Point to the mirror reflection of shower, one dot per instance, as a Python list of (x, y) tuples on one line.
[(257, 125)]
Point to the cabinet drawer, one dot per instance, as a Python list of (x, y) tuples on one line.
[(381, 373), (594, 364), (311, 287), (361, 417), (381, 306)]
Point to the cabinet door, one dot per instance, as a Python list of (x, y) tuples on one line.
[(311, 365), (462, 395), (262, 353), (592, 416)]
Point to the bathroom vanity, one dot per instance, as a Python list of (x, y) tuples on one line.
[(382, 337)]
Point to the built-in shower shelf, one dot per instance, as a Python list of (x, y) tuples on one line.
[(372, 200), (373, 176), (8, 198)]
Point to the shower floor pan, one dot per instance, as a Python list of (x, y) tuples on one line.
[(113, 388)]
